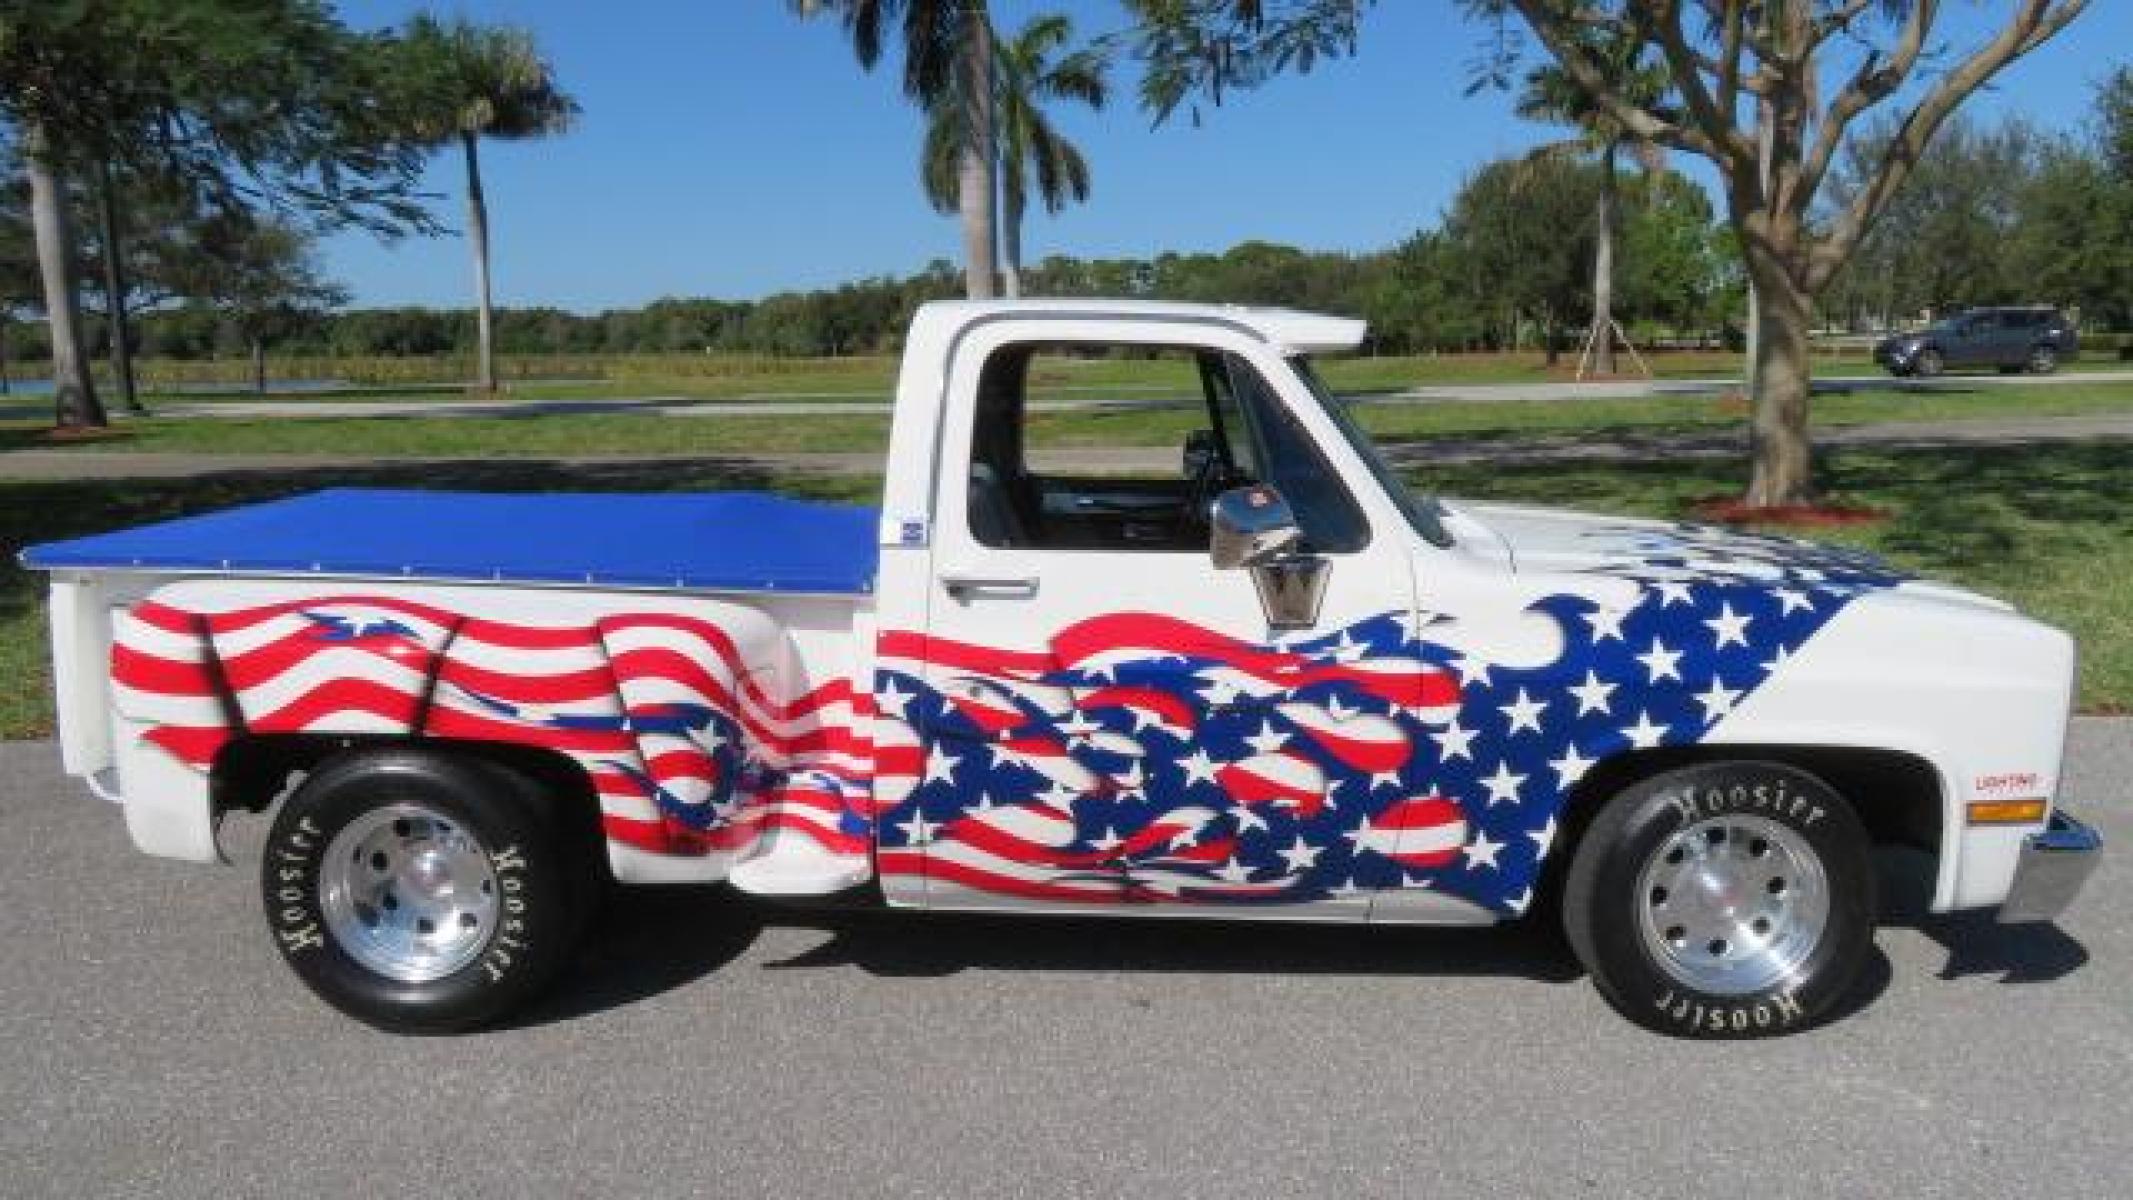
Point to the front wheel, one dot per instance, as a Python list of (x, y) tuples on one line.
[(2043, 360), (1928, 364), (421, 892), (1722, 901)]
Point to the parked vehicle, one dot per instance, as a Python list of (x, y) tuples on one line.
[(2029, 339), (1275, 684)]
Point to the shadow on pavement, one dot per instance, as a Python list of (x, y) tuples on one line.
[(1977, 944)]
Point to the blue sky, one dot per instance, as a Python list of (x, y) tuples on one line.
[(729, 149)]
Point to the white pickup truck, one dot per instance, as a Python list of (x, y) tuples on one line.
[(1268, 682)]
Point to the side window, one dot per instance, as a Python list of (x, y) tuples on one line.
[(1292, 462), (1092, 446)]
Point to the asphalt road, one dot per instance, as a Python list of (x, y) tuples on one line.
[(151, 1043)]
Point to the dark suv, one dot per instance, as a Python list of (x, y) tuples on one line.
[(2012, 339)]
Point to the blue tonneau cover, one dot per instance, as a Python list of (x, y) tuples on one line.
[(717, 541)]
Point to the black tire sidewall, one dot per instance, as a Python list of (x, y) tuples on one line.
[(1603, 920), (536, 909)]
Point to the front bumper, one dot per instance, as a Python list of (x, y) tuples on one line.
[(2054, 865)]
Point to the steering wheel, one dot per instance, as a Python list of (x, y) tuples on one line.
[(1208, 474)]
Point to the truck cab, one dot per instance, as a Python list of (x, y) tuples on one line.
[(1253, 674)]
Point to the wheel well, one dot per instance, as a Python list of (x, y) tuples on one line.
[(1896, 795), (255, 770)]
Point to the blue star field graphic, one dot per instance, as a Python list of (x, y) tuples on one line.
[(1144, 760)]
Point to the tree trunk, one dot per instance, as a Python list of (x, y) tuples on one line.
[(1780, 453), (74, 402), (478, 233), (7, 386), (259, 364), (976, 187), (1011, 246), (1603, 270), (120, 326)]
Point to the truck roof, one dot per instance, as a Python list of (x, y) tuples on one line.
[(1288, 329)]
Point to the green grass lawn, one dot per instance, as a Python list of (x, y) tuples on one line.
[(2048, 527), (549, 435)]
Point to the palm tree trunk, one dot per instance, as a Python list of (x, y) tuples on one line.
[(1603, 269), (107, 213), (74, 402), (977, 197), (259, 364), (478, 233), (1011, 244), (7, 386)]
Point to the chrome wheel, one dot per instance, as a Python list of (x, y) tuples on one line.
[(1733, 904), (408, 893)]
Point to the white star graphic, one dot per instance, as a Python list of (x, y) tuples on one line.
[(1002, 753), (1078, 727), (1521, 901), (1198, 767), (1108, 842), (1717, 700), (1777, 659), (1543, 838), (1571, 767), (1731, 627), (1233, 872), (1358, 835), (1219, 693), (1471, 671), (1246, 819), (1606, 623), (1503, 785), (1661, 663), (1671, 590), (918, 831), (1455, 740), (1482, 851), (1344, 889), (1301, 856), (1131, 783), (1592, 694), (1524, 713), (1060, 797), (1791, 600), (1644, 735), (1339, 711), (940, 766), (1347, 650), (1268, 739)]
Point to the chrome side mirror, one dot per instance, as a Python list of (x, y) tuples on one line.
[(1250, 526), (1254, 529)]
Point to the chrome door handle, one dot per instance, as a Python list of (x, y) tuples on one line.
[(962, 587)]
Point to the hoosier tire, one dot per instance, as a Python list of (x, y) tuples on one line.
[(1725, 900), (421, 891)]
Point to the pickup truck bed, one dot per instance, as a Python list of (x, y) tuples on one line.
[(731, 541)]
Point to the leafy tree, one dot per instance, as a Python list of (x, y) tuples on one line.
[(1734, 68), (246, 101), (261, 277), (472, 82), (1506, 232), (1552, 96), (1027, 75), (948, 60)]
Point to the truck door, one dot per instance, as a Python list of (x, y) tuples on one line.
[(1105, 718)]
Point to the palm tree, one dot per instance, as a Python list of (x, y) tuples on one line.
[(1552, 96), (948, 59), (1025, 75), (483, 81)]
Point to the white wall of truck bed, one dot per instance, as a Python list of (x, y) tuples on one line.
[(790, 644)]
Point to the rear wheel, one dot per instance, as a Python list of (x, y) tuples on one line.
[(1723, 900), (2043, 360), (422, 892)]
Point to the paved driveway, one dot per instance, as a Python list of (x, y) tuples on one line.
[(151, 1044)]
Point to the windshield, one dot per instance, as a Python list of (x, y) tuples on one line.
[(1422, 512)]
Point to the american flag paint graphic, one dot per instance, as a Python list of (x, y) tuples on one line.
[(689, 752), (1133, 758), (1143, 759)]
